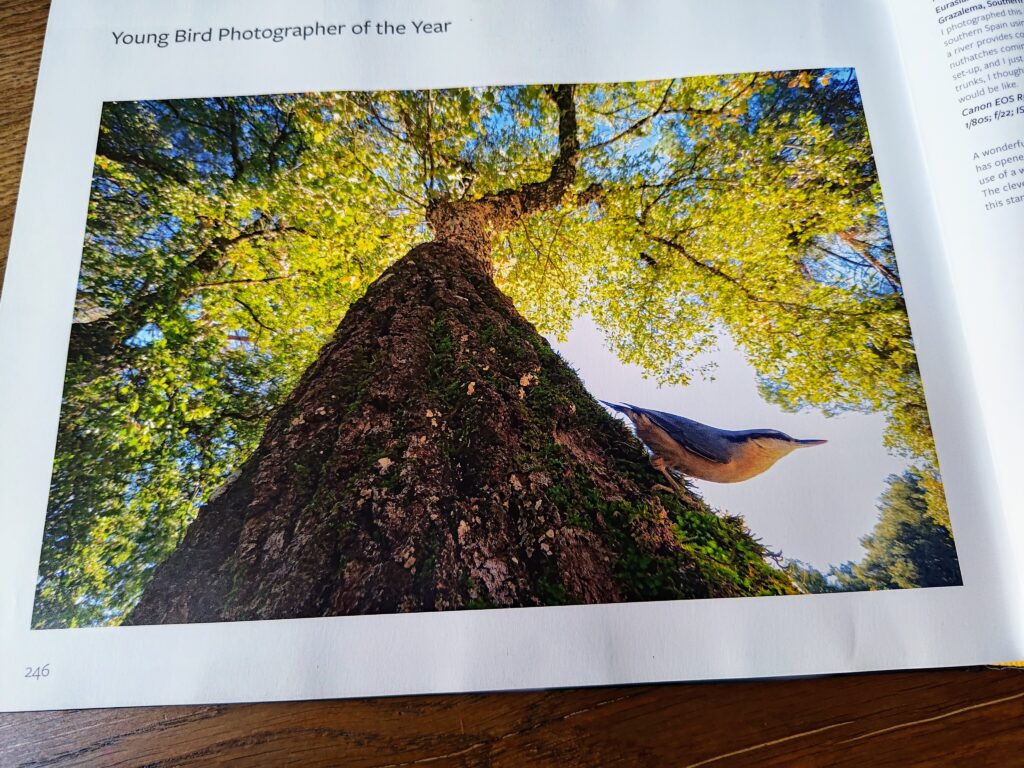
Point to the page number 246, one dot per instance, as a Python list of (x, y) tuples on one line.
[(38, 672)]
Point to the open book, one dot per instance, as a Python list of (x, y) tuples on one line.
[(455, 346)]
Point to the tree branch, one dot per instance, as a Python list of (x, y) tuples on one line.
[(888, 275), (102, 337), (192, 121), (473, 224), (636, 126), (251, 312), (237, 164), (152, 164), (721, 107), (541, 195), (284, 132), (865, 252), (738, 284), (252, 281)]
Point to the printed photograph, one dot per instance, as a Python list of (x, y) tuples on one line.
[(351, 353)]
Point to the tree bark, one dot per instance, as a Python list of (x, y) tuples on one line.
[(439, 455)]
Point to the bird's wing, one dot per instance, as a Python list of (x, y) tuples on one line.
[(707, 442)]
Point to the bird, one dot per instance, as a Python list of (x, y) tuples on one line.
[(685, 446)]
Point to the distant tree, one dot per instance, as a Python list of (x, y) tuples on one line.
[(809, 579), (845, 578), (907, 548)]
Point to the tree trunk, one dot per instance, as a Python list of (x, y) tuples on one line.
[(439, 455)]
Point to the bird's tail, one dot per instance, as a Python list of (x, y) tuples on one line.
[(628, 410)]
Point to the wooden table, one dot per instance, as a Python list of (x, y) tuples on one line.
[(966, 718), (953, 717)]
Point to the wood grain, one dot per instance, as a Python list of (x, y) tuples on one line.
[(21, 25), (961, 717), (954, 717)]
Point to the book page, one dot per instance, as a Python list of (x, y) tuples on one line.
[(965, 61), (453, 347)]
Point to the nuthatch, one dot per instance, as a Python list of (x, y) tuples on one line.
[(707, 453)]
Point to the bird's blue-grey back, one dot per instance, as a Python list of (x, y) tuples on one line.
[(708, 442)]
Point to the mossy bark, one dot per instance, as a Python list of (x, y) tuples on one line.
[(439, 455)]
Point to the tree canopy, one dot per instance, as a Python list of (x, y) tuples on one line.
[(227, 237)]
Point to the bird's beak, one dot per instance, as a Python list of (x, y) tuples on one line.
[(808, 443)]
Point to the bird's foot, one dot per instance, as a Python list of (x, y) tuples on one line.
[(688, 498), (680, 492)]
